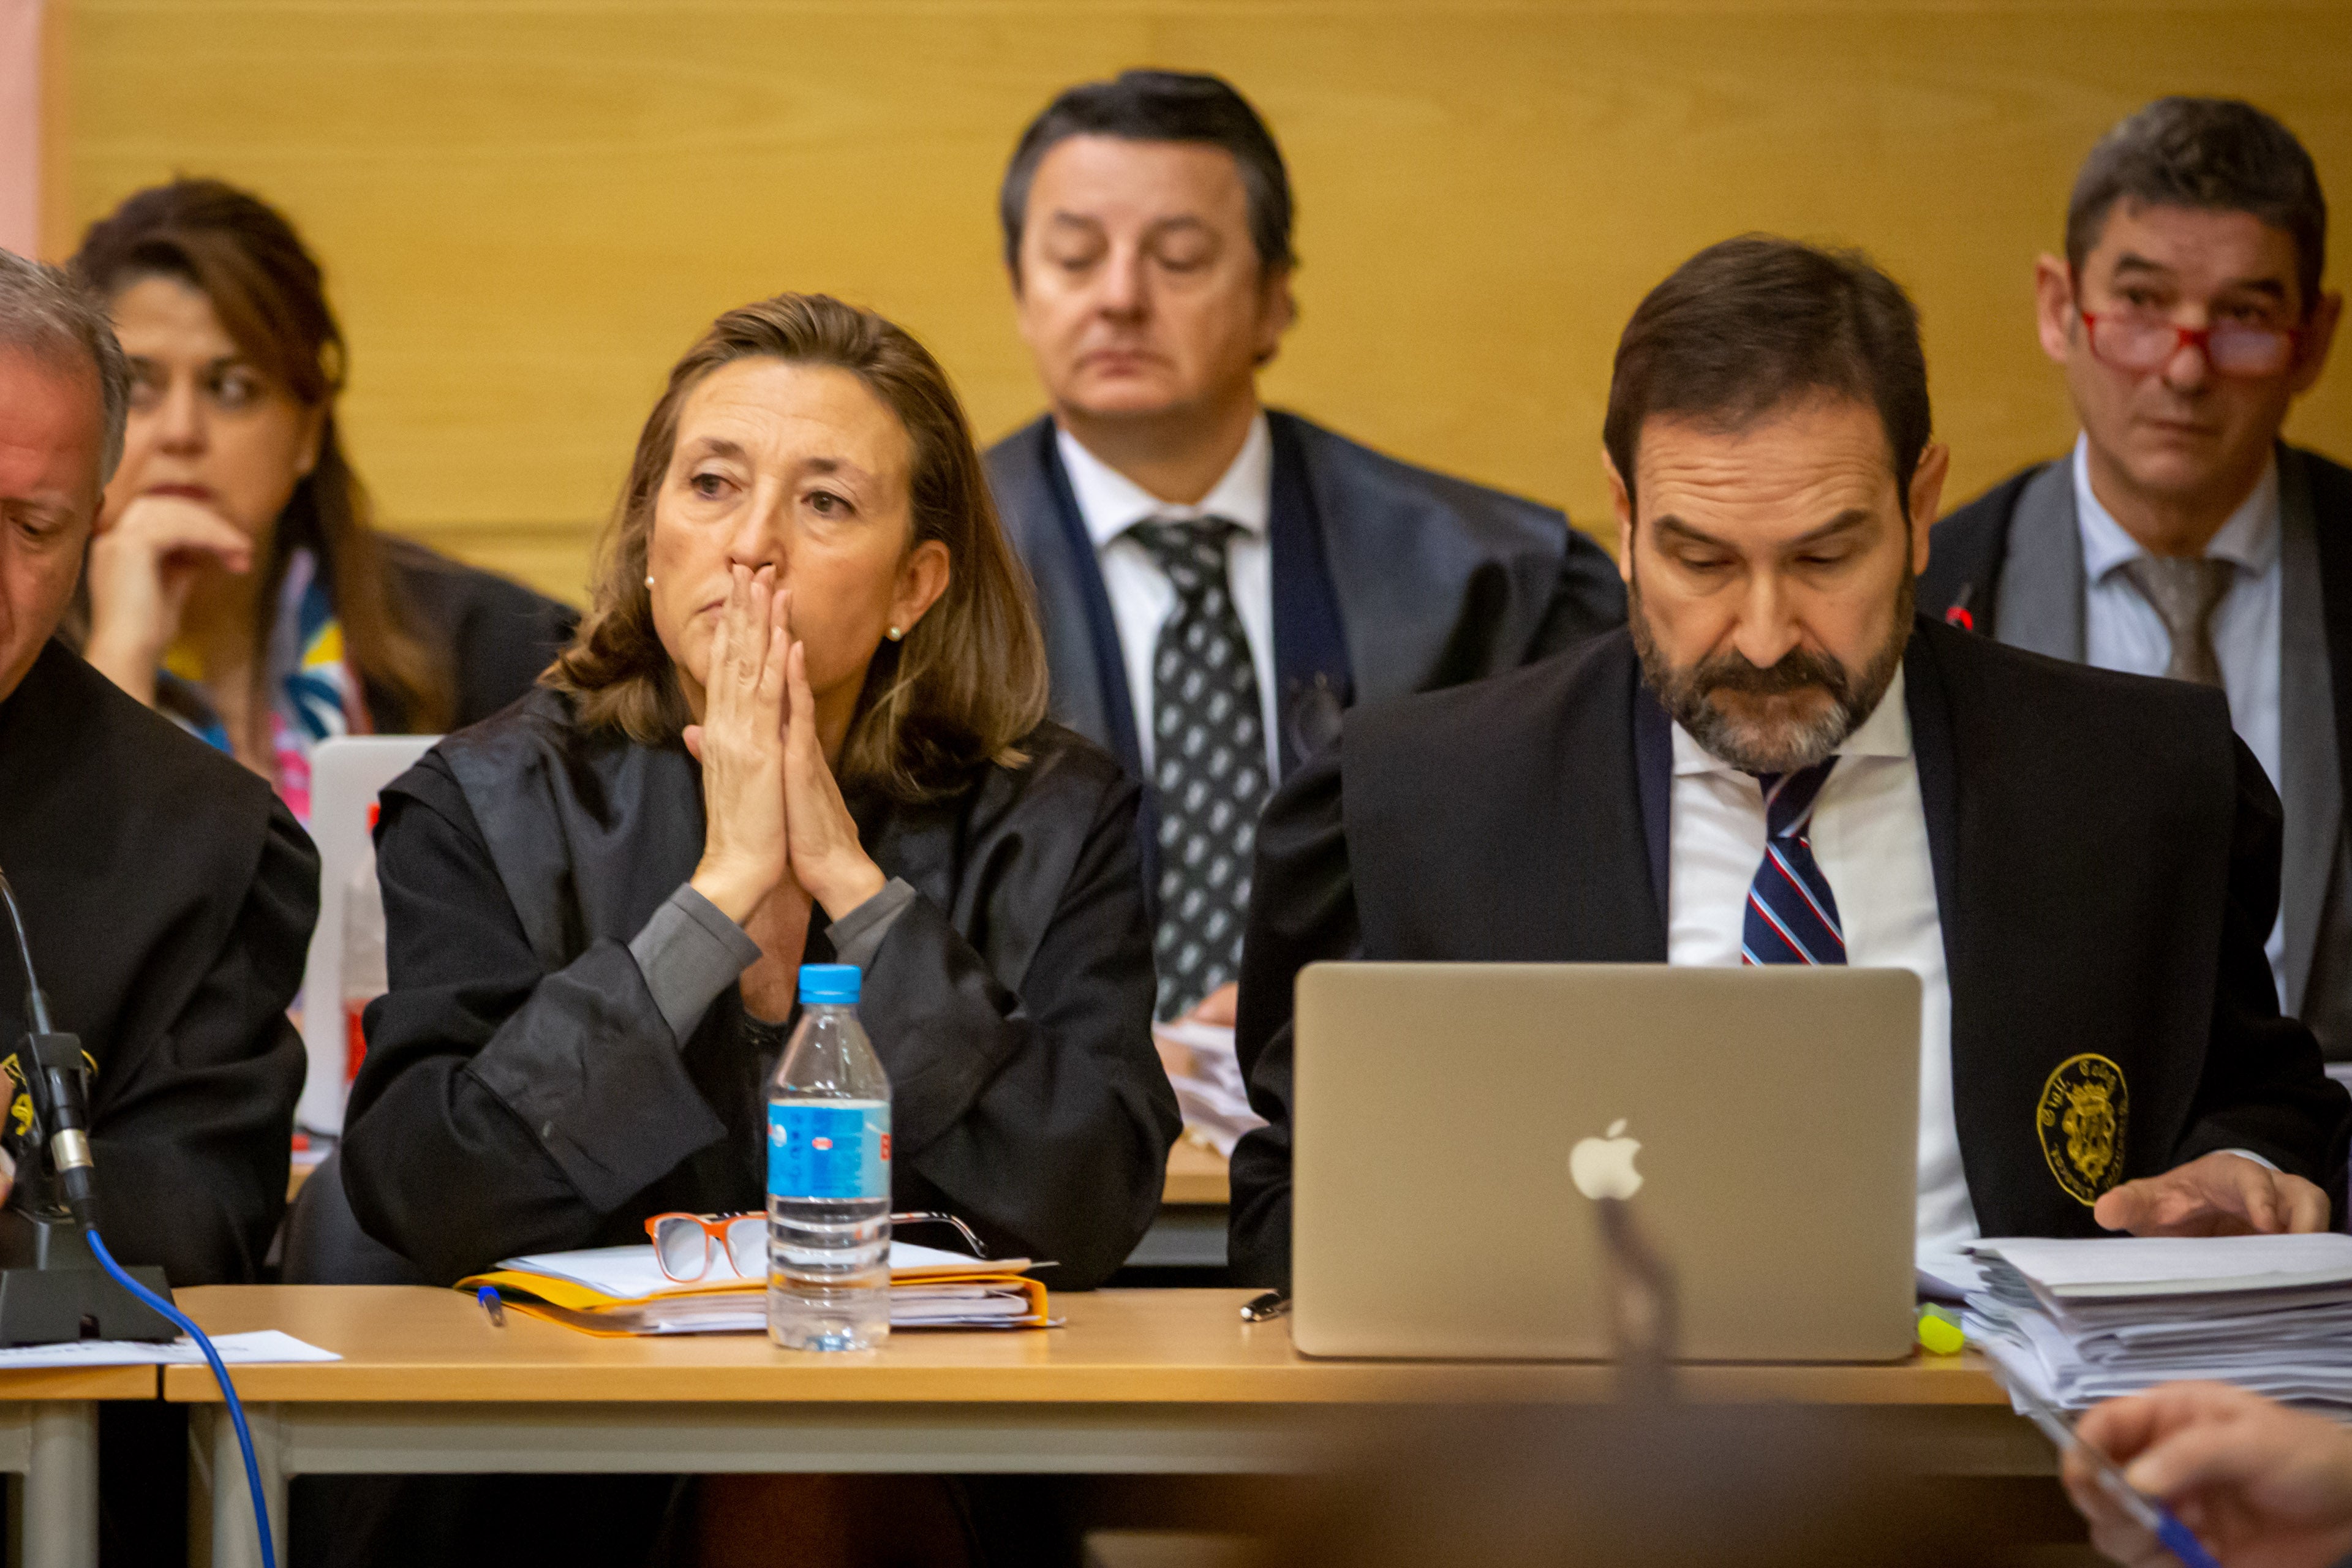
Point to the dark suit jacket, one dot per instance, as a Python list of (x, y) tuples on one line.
[(498, 635), (523, 1092), (2010, 565), (2106, 865), (168, 898), (1388, 579)]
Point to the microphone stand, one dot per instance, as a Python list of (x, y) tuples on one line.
[(52, 1290)]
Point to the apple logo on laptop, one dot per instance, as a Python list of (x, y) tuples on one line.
[(1603, 1167)]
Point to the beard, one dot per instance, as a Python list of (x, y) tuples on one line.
[(1775, 733)]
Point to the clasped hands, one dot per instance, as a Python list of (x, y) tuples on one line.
[(774, 814)]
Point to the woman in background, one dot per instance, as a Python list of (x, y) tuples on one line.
[(234, 583)]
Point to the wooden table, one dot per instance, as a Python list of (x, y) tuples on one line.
[(1196, 1174), (48, 1434), (1140, 1382)]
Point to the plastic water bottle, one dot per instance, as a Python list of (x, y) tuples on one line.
[(829, 1176)]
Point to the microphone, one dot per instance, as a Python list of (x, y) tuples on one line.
[(53, 1079), (54, 1082)]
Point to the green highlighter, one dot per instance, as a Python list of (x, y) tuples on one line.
[(1940, 1330)]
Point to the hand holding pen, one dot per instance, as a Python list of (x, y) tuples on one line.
[(2261, 1485)]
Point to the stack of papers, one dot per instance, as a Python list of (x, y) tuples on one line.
[(1206, 1074), (618, 1290), (2080, 1321)]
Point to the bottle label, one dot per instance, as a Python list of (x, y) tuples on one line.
[(829, 1149)]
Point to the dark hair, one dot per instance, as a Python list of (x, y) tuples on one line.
[(1159, 106), (242, 255), (967, 684), (1751, 324), (2212, 153)]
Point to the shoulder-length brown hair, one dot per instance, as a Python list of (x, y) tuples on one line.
[(243, 255), (966, 685)]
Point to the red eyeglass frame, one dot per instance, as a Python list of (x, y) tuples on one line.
[(2200, 338), (714, 1229)]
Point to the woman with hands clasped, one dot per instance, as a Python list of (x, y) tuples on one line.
[(803, 722)]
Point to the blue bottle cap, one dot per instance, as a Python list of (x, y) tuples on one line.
[(829, 984)]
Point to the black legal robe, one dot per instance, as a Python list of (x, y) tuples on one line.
[(2106, 864), (168, 898), (523, 1094), (2009, 565)]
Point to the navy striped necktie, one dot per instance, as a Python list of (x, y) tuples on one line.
[(1792, 916)]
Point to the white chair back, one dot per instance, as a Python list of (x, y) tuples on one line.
[(345, 775)]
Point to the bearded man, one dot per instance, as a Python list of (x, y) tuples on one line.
[(1780, 762)]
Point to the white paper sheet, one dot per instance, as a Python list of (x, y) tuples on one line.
[(2175, 1265), (236, 1350), (1206, 1074), (1946, 1276)]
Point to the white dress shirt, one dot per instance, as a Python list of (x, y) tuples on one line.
[(1141, 596), (1870, 837), (2121, 630)]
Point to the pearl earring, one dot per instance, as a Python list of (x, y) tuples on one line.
[(650, 580), (896, 634)]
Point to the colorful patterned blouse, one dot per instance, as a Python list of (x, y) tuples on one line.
[(315, 694)]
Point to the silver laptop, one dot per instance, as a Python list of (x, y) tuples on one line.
[(1453, 1122)]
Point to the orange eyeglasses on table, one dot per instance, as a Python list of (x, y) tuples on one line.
[(684, 1244)]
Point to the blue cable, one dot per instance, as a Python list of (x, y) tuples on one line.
[(220, 1373)]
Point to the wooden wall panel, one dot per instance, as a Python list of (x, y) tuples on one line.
[(529, 206)]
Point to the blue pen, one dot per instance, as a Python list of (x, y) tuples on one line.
[(496, 1310), (2145, 1511)]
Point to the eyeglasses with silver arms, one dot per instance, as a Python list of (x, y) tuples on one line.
[(686, 1246)]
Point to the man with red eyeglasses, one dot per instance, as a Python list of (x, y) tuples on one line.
[(2183, 537)]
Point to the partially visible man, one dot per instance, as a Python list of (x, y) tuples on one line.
[(1778, 763), (2182, 537), (1217, 581), (168, 897)]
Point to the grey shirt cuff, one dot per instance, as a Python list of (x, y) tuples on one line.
[(689, 953), (857, 936)]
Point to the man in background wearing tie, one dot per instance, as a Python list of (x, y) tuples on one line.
[(2183, 537), (1780, 763), (1218, 581)]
